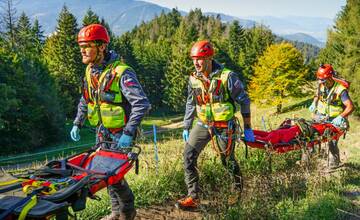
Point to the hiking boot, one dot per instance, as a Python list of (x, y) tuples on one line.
[(187, 203)]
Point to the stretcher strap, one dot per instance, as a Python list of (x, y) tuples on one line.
[(10, 182), (29, 205)]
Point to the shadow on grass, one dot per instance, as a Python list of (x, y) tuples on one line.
[(298, 105), (352, 174)]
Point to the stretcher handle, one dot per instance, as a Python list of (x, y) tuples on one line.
[(119, 150)]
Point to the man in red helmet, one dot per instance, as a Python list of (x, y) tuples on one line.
[(113, 102), (332, 102), (213, 91)]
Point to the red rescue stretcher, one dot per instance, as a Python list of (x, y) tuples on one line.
[(51, 190), (294, 134)]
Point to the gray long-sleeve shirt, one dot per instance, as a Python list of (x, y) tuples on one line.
[(136, 104), (236, 91)]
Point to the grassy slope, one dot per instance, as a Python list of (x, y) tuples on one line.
[(69, 147), (287, 191)]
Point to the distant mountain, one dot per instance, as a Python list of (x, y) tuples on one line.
[(228, 18), (123, 15), (301, 37), (314, 26)]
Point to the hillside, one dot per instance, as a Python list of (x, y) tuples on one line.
[(130, 13), (127, 15), (301, 37)]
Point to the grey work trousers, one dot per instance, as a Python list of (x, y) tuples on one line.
[(198, 139), (121, 196), (334, 152)]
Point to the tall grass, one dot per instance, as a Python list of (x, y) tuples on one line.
[(284, 190)]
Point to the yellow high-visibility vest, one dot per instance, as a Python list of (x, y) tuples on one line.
[(100, 109), (213, 104)]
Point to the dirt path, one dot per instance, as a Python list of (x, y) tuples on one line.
[(166, 212)]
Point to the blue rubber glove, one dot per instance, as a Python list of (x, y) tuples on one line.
[(124, 141), (312, 107), (249, 135), (75, 133), (185, 135), (338, 121)]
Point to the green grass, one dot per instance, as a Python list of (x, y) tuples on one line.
[(286, 191), (69, 147)]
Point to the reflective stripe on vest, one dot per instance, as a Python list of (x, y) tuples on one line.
[(331, 105), (106, 107), (218, 107)]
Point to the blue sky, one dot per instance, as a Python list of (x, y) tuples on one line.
[(249, 8)]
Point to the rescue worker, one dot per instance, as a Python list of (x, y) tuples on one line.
[(331, 103), (114, 102), (212, 93)]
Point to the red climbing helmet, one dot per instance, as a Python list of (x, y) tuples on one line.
[(93, 32), (202, 49)]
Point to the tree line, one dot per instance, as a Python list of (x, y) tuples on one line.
[(40, 76)]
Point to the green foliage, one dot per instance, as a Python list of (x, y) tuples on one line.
[(23, 33), (159, 52), (257, 39), (322, 207), (61, 52), (123, 46), (236, 40), (37, 37), (176, 77), (279, 73), (30, 114), (342, 47), (148, 50), (90, 18)]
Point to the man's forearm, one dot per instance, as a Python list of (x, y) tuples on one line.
[(247, 120)]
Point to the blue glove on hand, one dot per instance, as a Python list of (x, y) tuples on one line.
[(75, 133), (312, 107), (338, 121), (124, 141), (185, 135), (249, 135)]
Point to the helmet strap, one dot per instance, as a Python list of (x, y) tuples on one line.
[(99, 56)]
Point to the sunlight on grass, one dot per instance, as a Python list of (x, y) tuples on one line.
[(283, 191)]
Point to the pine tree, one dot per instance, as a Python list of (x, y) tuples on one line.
[(278, 73), (236, 40), (63, 57), (24, 40), (257, 39), (123, 46), (177, 74), (9, 19), (30, 115), (90, 18), (37, 36)]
